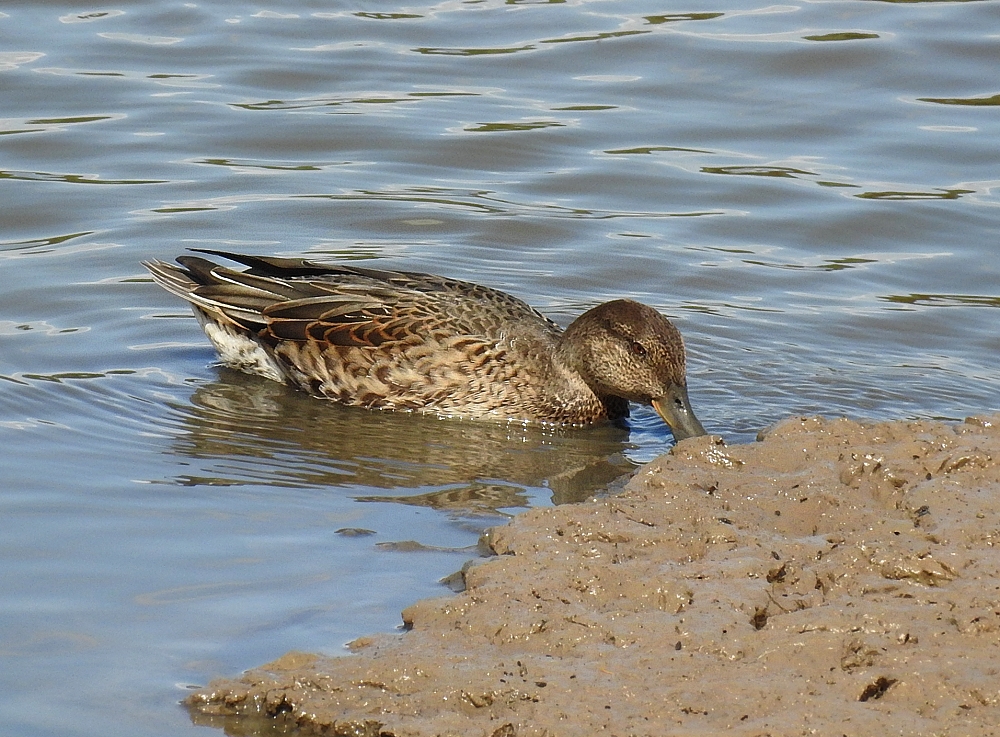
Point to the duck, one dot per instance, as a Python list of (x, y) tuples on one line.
[(415, 342)]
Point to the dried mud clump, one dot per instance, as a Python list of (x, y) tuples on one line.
[(833, 578)]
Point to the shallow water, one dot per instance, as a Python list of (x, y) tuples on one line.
[(810, 190)]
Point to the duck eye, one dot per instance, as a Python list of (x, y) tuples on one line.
[(638, 348)]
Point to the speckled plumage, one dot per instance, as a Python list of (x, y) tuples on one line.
[(417, 342)]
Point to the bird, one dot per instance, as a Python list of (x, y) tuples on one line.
[(417, 342)]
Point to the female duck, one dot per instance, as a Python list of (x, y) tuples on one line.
[(423, 343)]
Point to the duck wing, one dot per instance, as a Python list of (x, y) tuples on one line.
[(283, 299)]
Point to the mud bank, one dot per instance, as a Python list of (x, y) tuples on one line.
[(835, 578)]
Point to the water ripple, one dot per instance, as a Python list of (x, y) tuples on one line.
[(45, 176), (991, 101), (41, 125), (482, 202), (91, 16)]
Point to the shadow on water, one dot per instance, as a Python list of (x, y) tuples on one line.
[(252, 430)]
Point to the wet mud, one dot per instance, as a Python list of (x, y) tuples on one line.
[(834, 578)]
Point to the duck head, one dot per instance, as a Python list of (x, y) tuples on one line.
[(627, 350)]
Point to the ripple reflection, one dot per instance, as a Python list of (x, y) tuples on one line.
[(256, 430)]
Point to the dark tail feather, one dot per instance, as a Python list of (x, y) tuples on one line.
[(268, 265)]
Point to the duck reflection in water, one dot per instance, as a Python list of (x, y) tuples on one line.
[(252, 431), (429, 344)]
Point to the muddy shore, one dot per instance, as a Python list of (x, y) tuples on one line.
[(834, 578)]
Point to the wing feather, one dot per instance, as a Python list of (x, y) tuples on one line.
[(282, 299)]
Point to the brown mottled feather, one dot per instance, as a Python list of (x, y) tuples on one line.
[(400, 340)]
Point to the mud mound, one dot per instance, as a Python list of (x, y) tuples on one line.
[(833, 578)]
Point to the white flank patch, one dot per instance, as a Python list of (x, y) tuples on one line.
[(241, 352)]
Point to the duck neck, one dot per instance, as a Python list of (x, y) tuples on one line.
[(572, 360)]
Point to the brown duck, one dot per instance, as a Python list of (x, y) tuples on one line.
[(423, 343)]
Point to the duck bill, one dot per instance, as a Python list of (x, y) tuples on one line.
[(675, 409)]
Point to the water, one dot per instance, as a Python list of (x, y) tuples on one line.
[(810, 190)]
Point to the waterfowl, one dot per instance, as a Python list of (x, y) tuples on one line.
[(417, 342)]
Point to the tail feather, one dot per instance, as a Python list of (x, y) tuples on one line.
[(172, 278), (268, 265), (227, 301), (279, 289)]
